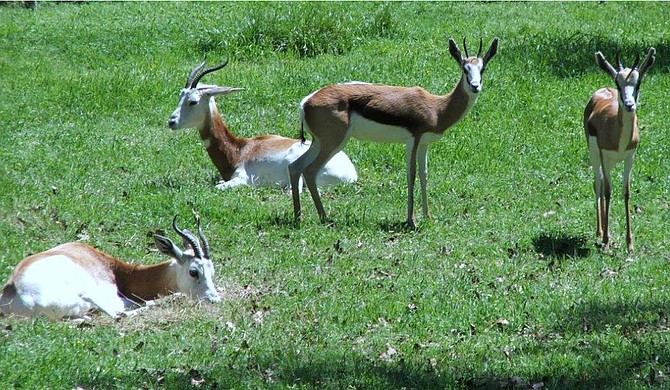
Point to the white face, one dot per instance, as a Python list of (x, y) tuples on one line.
[(196, 277), (472, 72), (191, 111), (627, 84)]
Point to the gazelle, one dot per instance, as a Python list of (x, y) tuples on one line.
[(262, 160), (73, 278), (610, 123), (384, 113)]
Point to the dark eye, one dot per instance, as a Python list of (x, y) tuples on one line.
[(192, 103), (193, 272)]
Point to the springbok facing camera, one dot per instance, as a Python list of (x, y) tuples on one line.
[(258, 161), (610, 124), (383, 113), (73, 278)]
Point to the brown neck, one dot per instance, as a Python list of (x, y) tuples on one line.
[(222, 146), (144, 282), (454, 106)]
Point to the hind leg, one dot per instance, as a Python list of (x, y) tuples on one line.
[(106, 299), (326, 150), (295, 172)]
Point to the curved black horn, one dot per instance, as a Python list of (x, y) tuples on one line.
[(192, 73), (637, 61), (465, 49), (190, 238), (194, 83), (618, 61), (203, 239), (479, 52)]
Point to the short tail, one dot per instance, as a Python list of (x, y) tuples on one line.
[(8, 295), (302, 125), (302, 132)]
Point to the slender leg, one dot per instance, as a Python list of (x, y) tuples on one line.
[(295, 170), (598, 190), (607, 189), (596, 164), (628, 168), (422, 160), (411, 153), (600, 205), (325, 151)]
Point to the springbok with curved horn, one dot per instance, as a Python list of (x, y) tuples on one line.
[(73, 278), (610, 124), (261, 160), (384, 113)]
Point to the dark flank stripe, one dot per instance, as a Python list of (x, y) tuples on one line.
[(362, 107)]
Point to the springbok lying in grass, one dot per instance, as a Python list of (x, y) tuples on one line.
[(73, 278), (610, 124), (383, 113), (258, 161)]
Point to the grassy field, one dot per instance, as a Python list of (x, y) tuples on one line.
[(502, 288)]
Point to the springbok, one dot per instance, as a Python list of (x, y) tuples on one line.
[(610, 124), (73, 278), (258, 161), (384, 113)]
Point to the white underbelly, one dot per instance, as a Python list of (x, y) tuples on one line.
[(56, 287), (368, 130)]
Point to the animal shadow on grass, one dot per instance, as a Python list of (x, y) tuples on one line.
[(396, 227), (559, 246)]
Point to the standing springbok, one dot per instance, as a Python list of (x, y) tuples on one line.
[(262, 160), (610, 124), (384, 113), (73, 278)]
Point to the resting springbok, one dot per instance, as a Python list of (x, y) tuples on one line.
[(384, 113), (610, 123), (73, 278), (258, 161)]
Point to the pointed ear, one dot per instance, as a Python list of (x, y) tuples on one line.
[(604, 65), (167, 247), (216, 91), (491, 52), (453, 50), (648, 62), (225, 90)]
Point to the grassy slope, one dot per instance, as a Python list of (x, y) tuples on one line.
[(503, 283)]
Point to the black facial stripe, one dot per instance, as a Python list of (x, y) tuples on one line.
[(636, 90)]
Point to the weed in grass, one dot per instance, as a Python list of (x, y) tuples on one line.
[(302, 29)]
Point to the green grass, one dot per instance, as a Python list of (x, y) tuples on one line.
[(504, 287)]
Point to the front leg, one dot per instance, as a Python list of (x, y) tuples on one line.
[(411, 153), (239, 178), (628, 167), (607, 190), (422, 159)]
